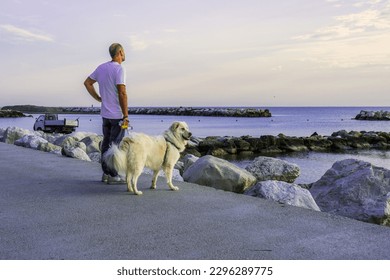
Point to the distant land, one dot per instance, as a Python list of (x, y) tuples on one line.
[(173, 111)]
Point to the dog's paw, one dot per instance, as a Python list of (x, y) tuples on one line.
[(153, 187), (174, 188), (138, 193)]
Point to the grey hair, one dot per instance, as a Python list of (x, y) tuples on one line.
[(114, 49)]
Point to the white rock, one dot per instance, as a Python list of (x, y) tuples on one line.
[(189, 160), (283, 192), (12, 134), (76, 153), (267, 168), (92, 143), (30, 141), (220, 174), (50, 148), (355, 189)]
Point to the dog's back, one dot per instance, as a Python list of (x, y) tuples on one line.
[(136, 152), (144, 150)]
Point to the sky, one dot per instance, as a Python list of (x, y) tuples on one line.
[(199, 52)]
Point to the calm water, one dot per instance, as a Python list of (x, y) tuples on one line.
[(291, 121)]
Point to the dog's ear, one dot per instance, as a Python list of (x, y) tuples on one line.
[(175, 126)]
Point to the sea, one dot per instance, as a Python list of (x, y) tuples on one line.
[(290, 121)]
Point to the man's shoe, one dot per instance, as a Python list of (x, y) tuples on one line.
[(115, 180)]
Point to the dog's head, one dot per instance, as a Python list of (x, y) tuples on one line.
[(181, 131)]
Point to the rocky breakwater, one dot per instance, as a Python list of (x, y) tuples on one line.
[(373, 115), (169, 111), (11, 114), (201, 111), (184, 111), (247, 145)]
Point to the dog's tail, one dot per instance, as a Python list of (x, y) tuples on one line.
[(115, 158)]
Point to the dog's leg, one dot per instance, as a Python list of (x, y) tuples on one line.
[(168, 173), (134, 181), (154, 181), (129, 183)]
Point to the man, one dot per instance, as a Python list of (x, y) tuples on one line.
[(111, 78)]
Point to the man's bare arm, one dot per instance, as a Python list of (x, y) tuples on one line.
[(91, 89), (123, 100)]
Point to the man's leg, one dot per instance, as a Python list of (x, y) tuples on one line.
[(107, 140)]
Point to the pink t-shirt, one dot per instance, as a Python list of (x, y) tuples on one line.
[(108, 75)]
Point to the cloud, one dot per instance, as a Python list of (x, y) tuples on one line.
[(353, 40), (25, 35), (369, 51), (138, 44), (373, 19)]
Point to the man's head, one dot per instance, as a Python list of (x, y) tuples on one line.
[(117, 52)]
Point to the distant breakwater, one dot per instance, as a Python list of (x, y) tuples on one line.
[(11, 114), (172, 111), (340, 141), (373, 115)]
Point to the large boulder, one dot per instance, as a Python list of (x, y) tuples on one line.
[(92, 143), (188, 160), (267, 168), (12, 134), (75, 152), (220, 174), (74, 149), (73, 137), (355, 189), (65, 140), (283, 192), (30, 141), (50, 148)]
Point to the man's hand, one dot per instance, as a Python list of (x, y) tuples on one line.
[(125, 123)]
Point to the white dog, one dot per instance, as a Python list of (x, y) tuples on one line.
[(155, 152)]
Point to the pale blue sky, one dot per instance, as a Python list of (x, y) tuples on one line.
[(199, 52)]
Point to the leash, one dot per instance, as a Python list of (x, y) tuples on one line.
[(125, 131)]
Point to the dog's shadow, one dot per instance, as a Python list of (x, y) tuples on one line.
[(96, 187)]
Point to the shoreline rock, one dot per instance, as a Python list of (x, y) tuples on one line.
[(169, 111), (268, 168), (5, 113), (373, 115), (282, 192), (355, 189), (220, 174)]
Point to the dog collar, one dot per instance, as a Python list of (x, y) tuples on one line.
[(170, 142)]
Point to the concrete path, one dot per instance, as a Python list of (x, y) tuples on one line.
[(53, 207)]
